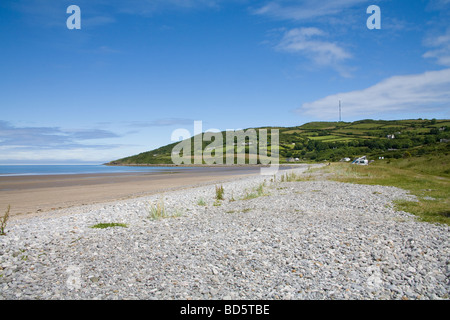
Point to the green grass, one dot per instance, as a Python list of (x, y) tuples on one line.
[(393, 126), (158, 211), (364, 126), (109, 225), (293, 131), (219, 193), (249, 196), (258, 192), (4, 220), (428, 178), (292, 176), (325, 138), (321, 125), (201, 202)]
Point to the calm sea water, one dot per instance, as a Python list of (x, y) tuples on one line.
[(15, 170)]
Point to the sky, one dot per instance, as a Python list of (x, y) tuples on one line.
[(137, 70)]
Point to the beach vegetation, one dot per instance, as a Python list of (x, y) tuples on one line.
[(427, 178), (250, 195), (109, 225), (290, 177), (256, 193), (201, 202), (296, 177), (219, 193), (260, 189), (158, 211), (4, 220)]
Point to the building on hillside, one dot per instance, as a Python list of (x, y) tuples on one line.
[(362, 161)]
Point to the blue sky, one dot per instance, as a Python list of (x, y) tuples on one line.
[(139, 69)]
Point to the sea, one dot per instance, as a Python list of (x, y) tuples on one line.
[(24, 170)]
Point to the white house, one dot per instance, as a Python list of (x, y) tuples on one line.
[(361, 161)]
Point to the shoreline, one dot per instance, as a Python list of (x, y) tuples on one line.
[(34, 195), (208, 165)]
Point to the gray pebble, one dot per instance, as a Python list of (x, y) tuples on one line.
[(299, 240)]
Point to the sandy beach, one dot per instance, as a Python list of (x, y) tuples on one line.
[(33, 195)]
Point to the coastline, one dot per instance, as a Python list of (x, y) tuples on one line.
[(33, 195), (206, 165)]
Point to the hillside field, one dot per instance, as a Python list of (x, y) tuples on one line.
[(332, 141)]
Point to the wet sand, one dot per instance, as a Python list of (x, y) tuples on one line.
[(33, 195)]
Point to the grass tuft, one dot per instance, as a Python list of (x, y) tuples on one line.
[(258, 192), (293, 177), (4, 221), (159, 211), (109, 225), (219, 193)]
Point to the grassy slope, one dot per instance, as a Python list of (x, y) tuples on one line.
[(342, 139), (427, 177)]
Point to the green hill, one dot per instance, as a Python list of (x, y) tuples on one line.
[(332, 141)]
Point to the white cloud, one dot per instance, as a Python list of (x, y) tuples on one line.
[(165, 122), (399, 94), (52, 137), (313, 43), (305, 9), (441, 48), (11, 155), (51, 13), (95, 21), (148, 7), (309, 43), (322, 52), (438, 4)]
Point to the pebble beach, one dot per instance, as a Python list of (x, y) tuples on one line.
[(267, 239)]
